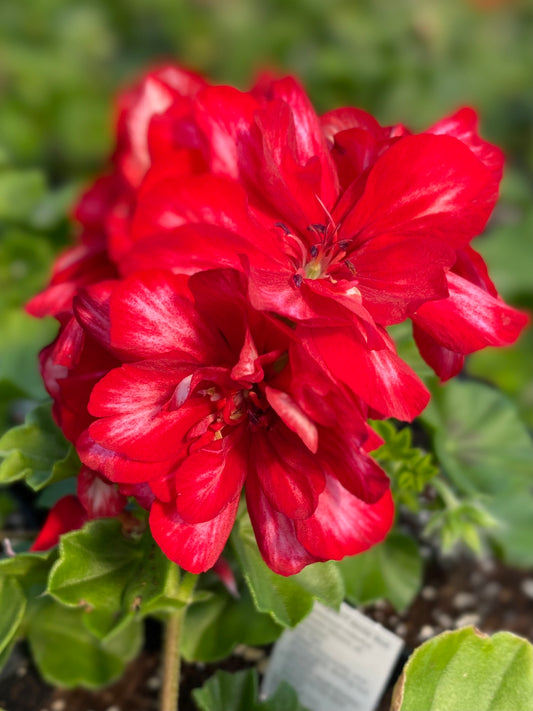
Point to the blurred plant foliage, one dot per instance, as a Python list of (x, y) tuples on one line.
[(60, 61)]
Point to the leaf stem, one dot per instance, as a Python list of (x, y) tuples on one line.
[(172, 661)]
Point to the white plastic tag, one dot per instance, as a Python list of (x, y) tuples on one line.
[(334, 660)]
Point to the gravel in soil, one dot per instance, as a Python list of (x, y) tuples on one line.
[(455, 593)]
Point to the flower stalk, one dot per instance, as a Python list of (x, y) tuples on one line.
[(172, 661)]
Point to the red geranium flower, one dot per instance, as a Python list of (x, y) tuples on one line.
[(381, 243), (213, 396), (335, 221), (232, 282)]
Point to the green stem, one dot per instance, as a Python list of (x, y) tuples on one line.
[(172, 661), (448, 497)]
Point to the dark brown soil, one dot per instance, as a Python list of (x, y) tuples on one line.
[(455, 593)]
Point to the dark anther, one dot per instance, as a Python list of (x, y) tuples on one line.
[(298, 279), (283, 227), (319, 229), (314, 251), (343, 244), (350, 266)]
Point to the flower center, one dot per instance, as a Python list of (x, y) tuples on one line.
[(235, 407), (317, 259)]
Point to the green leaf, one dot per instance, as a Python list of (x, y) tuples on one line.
[(228, 692), (5, 654), (287, 599), (511, 370), (214, 626), (55, 205), (158, 584), (486, 451), (504, 248), (51, 494), (284, 698), (239, 692), (20, 193), (12, 607), (94, 567), (37, 451), (409, 468), (25, 260), (7, 506), (466, 669), (68, 655), (29, 568), (461, 520), (114, 577), (391, 570), (9, 394), (22, 339)]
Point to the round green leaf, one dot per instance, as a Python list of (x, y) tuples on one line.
[(486, 450), (466, 669)]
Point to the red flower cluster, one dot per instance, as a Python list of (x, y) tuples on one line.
[(223, 314)]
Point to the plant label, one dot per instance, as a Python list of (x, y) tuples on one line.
[(334, 660)]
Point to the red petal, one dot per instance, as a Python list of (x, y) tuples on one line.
[(464, 126), (166, 204), (346, 118), (343, 524), (428, 185), (91, 308), (224, 115), (98, 497), (148, 436), (445, 363), (117, 467), (379, 377), (151, 315), (469, 319), (342, 457), (275, 534), (223, 570), (248, 368), (354, 151), (66, 515), (309, 141), (137, 387), (68, 346), (79, 266), (396, 275), (293, 416), (142, 493), (290, 476), (210, 478), (194, 547), (138, 106)]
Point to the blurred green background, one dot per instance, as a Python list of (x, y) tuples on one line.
[(61, 62)]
